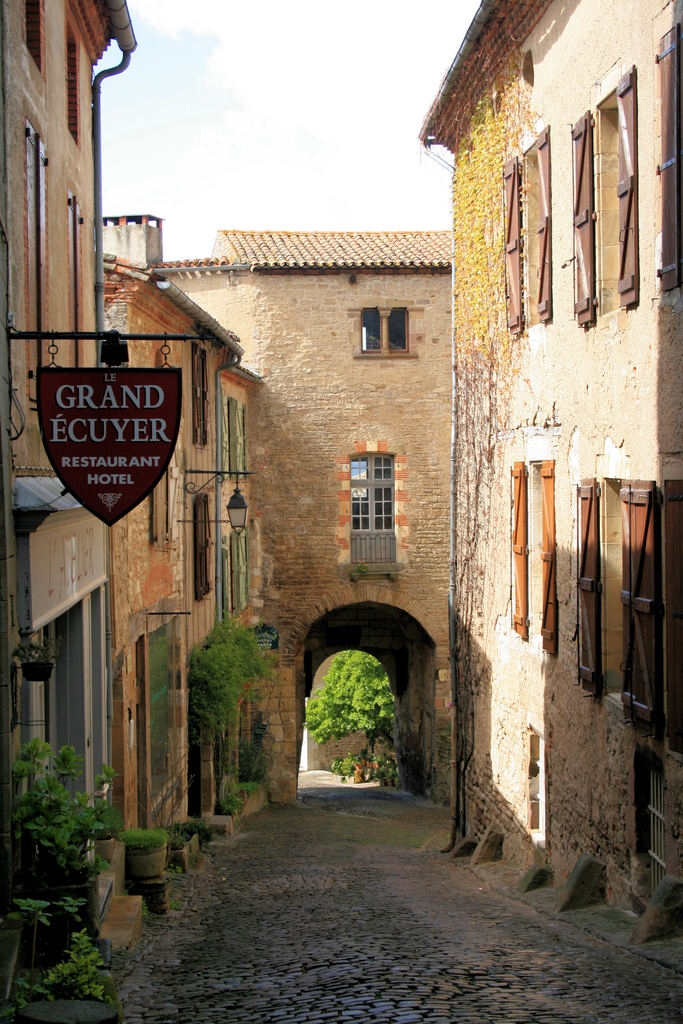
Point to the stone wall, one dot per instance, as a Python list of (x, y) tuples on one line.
[(320, 402)]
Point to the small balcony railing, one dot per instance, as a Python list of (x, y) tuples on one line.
[(373, 548)]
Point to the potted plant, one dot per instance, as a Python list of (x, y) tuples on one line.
[(108, 823), (146, 852), (56, 828), (37, 656)]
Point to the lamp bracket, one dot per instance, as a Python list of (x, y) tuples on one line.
[(221, 475)]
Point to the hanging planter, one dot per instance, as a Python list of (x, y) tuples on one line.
[(37, 658)]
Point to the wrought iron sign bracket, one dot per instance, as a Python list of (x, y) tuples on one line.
[(221, 475)]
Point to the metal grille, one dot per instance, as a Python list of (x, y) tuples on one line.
[(373, 547), (656, 811)]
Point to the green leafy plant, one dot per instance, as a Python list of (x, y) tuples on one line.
[(32, 649), (343, 765), (221, 667), (79, 976), (108, 820), (144, 838), (56, 826), (252, 762), (184, 830)]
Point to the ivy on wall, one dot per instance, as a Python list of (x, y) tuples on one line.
[(484, 369)]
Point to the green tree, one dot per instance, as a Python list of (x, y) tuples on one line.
[(355, 697)]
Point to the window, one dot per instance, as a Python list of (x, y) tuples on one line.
[(534, 552), (372, 509), (616, 188), (533, 220), (200, 396), (384, 330), (35, 30), (72, 90), (670, 166), (536, 772), (610, 575), (202, 546)]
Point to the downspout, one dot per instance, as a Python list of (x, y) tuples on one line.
[(123, 32), (233, 361)]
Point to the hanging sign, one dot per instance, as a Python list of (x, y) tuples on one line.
[(109, 434)]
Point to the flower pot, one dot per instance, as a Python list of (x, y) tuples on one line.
[(36, 671), (143, 864)]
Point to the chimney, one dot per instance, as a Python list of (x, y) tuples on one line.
[(137, 238)]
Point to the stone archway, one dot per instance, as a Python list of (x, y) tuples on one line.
[(407, 653)]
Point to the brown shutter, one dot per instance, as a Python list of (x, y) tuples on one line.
[(669, 79), (589, 588), (74, 243), (549, 559), (673, 524), (36, 241), (627, 190), (199, 395), (513, 245), (640, 596), (520, 550), (545, 255), (202, 543), (584, 221)]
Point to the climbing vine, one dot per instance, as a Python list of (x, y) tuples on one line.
[(484, 371)]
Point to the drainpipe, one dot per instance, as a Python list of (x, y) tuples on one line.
[(123, 32), (232, 362)]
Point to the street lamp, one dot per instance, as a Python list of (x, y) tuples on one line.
[(237, 511)]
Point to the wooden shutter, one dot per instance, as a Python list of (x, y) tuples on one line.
[(74, 243), (202, 544), (669, 79), (238, 439), (589, 587), (520, 550), (548, 559), (513, 245), (627, 190), (673, 525), (584, 222), (640, 596), (239, 558), (545, 254), (200, 395), (36, 241)]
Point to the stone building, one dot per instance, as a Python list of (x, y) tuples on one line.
[(569, 435), (176, 566), (53, 553), (348, 456)]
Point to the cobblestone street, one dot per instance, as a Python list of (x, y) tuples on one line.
[(341, 909)]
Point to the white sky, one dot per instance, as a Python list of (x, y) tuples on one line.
[(275, 115)]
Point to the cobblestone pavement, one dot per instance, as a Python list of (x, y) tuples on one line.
[(342, 909)]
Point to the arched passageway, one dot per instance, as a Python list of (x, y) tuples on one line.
[(407, 653)]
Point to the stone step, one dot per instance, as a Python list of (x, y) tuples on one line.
[(122, 926)]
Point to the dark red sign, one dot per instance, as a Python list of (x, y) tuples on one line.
[(109, 433)]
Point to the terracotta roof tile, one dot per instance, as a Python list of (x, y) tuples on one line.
[(327, 249)]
